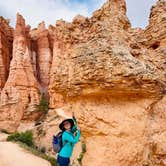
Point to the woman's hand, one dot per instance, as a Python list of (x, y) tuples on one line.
[(78, 128)]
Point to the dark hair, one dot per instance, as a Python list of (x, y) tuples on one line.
[(61, 126)]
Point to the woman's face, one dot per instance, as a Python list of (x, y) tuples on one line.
[(67, 125)]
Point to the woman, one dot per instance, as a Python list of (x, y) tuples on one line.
[(70, 136)]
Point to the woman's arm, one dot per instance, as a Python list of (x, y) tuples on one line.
[(74, 128), (70, 138)]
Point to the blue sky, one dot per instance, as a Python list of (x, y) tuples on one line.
[(35, 11)]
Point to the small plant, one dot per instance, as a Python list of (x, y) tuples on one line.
[(24, 137), (42, 149), (82, 153), (43, 105), (4, 131), (83, 147), (38, 153)]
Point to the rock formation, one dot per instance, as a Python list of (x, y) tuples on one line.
[(44, 53), (111, 75), (6, 37), (21, 92), (113, 78)]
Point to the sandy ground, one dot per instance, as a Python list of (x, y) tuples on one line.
[(3, 137), (13, 155)]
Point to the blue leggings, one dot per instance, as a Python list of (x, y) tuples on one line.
[(63, 161)]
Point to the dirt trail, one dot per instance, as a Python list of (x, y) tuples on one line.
[(13, 155)]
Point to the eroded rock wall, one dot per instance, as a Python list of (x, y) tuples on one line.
[(110, 75), (113, 78), (6, 37), (43, 53), (27, 78), (20, 93)]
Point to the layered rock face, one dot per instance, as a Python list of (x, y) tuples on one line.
[(6, 37), (112, 76), (20, 93), (28, 78), (42, 38)]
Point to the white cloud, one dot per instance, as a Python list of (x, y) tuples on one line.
[(35, 11), (97, 4), (138, 11)]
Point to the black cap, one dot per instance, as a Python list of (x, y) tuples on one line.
[(69, 120)]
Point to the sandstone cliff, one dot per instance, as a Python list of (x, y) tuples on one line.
[(112, 76), (6, 37), (42, 39), (20, 93)]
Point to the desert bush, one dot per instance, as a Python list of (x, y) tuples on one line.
[(24, 137)]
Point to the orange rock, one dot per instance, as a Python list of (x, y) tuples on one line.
[(6, 37), (110, 75), (44, 53), (20, 94)]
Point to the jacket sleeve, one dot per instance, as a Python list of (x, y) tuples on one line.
[(70, 138), (74, 128)]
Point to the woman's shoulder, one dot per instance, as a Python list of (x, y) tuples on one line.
[(67, 134)]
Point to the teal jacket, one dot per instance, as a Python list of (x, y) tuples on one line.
[(68, 140)]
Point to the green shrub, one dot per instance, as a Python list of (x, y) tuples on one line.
[(24, 137), (82, 153), (25, 140), (43, 105), (42, 149), (83, 147), (38, 153), (4, 131)]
